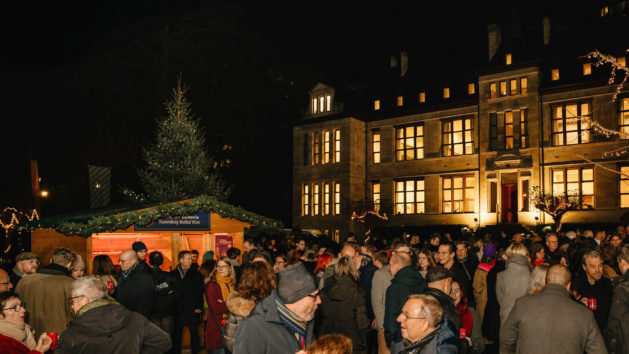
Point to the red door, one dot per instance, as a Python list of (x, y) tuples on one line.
[(509, 203)]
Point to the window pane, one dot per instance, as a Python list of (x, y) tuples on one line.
[(420, 197), (571, 110), (458, 182), (399, 133), (572, 138), (624, 201), (458, 194), (458, 137), (410, 132), (558, 139), (410, 142), (399, 209), (468, 124), (447, 195), (585, 109), (410, 154), (585, 136), (419, 141), (420, 130), (558, 189), (410, 208), (469, 148), (558, 112), (447, 183), (587, 174), (587, 188), (558, 125), (420, 185), (399, 155), (458, 125), (458, 149), (558, 176), (587, 200), (447, 207), (624, 186), (572, 188), (420, 208), (399, 186), (572, 175)]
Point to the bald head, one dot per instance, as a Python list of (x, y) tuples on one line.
[(348, 251), (559, 275), (399, 261), (5, 283), (127, 259)]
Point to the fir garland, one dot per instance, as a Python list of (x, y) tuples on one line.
[(122, 221)]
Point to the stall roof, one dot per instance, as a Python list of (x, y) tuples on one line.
[(119, 218)]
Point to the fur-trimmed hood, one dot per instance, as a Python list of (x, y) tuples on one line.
[(238, 305)]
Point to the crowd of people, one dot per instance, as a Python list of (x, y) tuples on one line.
[(562, 292)]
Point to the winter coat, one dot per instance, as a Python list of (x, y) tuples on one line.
[(601, 291), (379, 284), (479, 287), (191, 297), (263, 332), (491, 318), (448, 309), (12, 346), (238, 309), (215, 306), (367, 271), (617, 332), (432, 347), (465, 279), (343, 310), (165, 293), (108, 327), (135, 292), (551, 322), (512, 283), (46, 294), (407, 281)]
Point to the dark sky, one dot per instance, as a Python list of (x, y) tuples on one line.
[(83, 81)]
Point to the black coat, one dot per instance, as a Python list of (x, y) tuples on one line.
[(465, 278), (343, 310), (407, 281), (367, 272), (491, 319), (165, 293), (617, 332), (135, 292), (601, 291), (448, 309), (191, 297)]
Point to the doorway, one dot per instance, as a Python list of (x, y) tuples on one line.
[(509, 203)]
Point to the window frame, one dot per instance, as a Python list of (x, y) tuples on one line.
[(376, 195), (451, 133), (315, 199), (336, 147), (415, 138), (316, 148), (511, 137), (401, 197), (465, 189), (326, 147), (305, 199), (564, 182), (524, 128), (620, 183), (493, 131), (376, 153), (564, 124), (326, 198), (623, 111), (337, 198)]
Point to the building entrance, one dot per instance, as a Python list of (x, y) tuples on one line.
[(509, 203)]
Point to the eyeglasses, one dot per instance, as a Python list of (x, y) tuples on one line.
[(5, 283), (314, 297), (71, 299), (16, 308), (412, 318)]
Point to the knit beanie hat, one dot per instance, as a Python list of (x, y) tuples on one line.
[(489, 250), (139, 246), (295, 283)]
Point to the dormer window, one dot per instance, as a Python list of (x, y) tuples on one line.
[(400, 101), (422, 97), (587, 69), (508, 59), (471, 89), (321, 104), (621, 61), (446, 92), (376, 105), (554, 74)]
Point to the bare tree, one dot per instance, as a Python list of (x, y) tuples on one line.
[(555, 205)]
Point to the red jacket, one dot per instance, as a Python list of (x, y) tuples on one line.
[(213, 338), (9, 345)]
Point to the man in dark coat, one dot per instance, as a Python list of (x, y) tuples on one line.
[(491, 319), (140, 250), (190, 304), (135, 287), (447, 258), (551, 322), (165, 295), (104, 326), (283, 321), (406, 281), (590, 287), (439, 281), (617, 325)]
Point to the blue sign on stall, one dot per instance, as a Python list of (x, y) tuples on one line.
[(199, 221)]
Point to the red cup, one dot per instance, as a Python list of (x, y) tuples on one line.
[(110, 285), (55, 339), (462, 333), (592, 304)]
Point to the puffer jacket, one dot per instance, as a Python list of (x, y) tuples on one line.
[(512, 283), (239, 309)]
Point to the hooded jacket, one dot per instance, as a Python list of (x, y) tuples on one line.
[(239, 309), (407, 281), (512, 283), (105, 327)]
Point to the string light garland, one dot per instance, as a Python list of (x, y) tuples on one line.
[(15, 217), (602, 59), (361, 218)]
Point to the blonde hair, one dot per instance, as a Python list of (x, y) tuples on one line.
[(345, 266), (516, 249), (537, 279), (331, 344), (232, 271)]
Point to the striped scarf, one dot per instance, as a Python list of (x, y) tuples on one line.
[(292, 323)]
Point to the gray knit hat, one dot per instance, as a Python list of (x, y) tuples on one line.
[(295, 283)]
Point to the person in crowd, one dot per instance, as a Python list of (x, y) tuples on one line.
[(406, 281), (592, 289), (479, 285), (77, 269), (140, 251), (433, 242), (560, 258), (103, 268), (552, 244), (599, 237), (47, 293), (323, 263), (283, 321), (551, 322), (5, 281), (256, 283), (414, 241), (537, 280), (247, 247), (514, 281), (420, 321), (233, 254), (218, 286), (165, 295), (190, 301), (538, 254), (16, 337), (104, 326), (439, 281), (280, 263), (617, 329), (465, 314), (308, 260), (366, 272), (610, 265), (135, 286), (343, 306), (425, 260), (207, 256), (331, 344), (195, 259), (469, 263), (491, 318), (447, 259), (262, 256), (25, 263)]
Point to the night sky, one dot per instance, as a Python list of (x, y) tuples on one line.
[(83, 81)]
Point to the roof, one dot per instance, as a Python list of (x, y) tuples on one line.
[(119, 218)]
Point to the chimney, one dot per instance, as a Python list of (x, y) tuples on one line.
[(403, 63), (546, 24), (495, 39)]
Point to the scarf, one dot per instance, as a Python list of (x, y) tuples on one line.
[(226, 284), (18, 331), (419, 345), (291, 321), (124, 274), (95, 304), (182, 272), (17, 271)]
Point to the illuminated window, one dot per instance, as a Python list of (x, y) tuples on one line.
[(577, 182), (409, 142), (587, 69), (337, 235), (326, 199), (316, 148), (321, 104), (337, 198), (400, 101), (458, 194), (524, 85), (492, 90), (471, 89), (305, 199), (524, 128), (604, 11), (457, 137), (422, 97), (326, 146), (314, 106), (409, 196), (624, 187), (376, 105), (621, 61), (493, 131), (554, 74), (508, 130), (375, 195), (375, 146), (524, 195), (513, 86), (337, 145), (315, 199), (446, 92), (508, 59), (568, 127), (624, 117), (328, 103), (503, 88)]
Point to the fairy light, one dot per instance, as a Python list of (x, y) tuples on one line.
[(361, 218), (602, 59), (14, 217)]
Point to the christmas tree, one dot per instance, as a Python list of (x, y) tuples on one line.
[(177, 164)]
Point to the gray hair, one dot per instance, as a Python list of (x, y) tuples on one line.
[(591, 254), (431, 309), (588, 234), (91, 287), (537, 279), (345, 266)]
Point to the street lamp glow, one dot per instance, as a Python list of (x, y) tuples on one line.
[(44, 193)]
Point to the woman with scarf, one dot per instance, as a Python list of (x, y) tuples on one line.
[(221, 282), (15, 335), (469, 319), (480, 278)]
